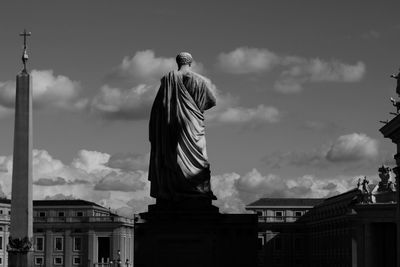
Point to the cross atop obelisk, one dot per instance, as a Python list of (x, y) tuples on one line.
[(21, 228), (24, 53)]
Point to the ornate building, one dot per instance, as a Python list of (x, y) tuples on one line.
[(73, 233), (356, 228), (279, 238)]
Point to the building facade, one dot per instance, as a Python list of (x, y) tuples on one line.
[(351, 229), (74, 233), (280, 239)]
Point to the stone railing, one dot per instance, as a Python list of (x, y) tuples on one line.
[(83, 219), (277, 219)]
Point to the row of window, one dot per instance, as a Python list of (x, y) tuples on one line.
[(280, 214), (60, 213), (2, 212), (58, 260), (58, 243)]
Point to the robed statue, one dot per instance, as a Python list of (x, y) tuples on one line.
[(179, 168)]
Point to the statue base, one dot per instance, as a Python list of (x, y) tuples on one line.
[(20, 259), (193, 233)]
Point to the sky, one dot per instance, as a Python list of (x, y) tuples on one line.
[(301, 88)]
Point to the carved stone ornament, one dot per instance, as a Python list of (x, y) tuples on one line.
[(19, 245)]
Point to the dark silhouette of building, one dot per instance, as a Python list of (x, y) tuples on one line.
[(343, 230)]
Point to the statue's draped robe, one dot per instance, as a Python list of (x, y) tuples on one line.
[(178, 161)]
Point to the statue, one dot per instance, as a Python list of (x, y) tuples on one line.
[(179, 167), (397, 77), (384, 185), (365, 192)]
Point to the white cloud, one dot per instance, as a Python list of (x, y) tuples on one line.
[(353, 147), (244, 60), (241, 115), (91, 161), (295, 71), (234, 192), (48, 90), (118, 103), (87, 177), (145, 67), (302, 70), (125, 182), (129, 161)]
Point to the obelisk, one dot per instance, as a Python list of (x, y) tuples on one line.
[(21, 233)]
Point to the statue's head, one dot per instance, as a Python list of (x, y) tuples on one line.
[(184, 58)]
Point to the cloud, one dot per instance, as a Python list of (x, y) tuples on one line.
[(60, 197), (125, 182), (302, 70), (295, 71), (91, 161), (372, 34), (234, 192), (87, 177), (124, 104), (353, 147), (241, 115), (129, 161), (49, 90), (50, 182), (145, 67), (277, 160), (245, 60), (57, 181), (346, 149)]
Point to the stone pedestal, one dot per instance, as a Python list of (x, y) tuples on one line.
[(194, 234)]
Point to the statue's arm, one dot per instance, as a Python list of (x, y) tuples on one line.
[(211, 100)]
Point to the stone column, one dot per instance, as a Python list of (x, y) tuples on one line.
[(92, 246), (68, 248), (21, 196), (48, 256), (391, 130)]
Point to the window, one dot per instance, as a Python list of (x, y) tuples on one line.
[(1, 243), (1, 261), (79, 213), (61, 214), (39, 243), (39, 261), (259, 213), (77, 243), (58, 260), (279, 215), (58, 244), (1, 228), (1, 211), (260, 242), (298, 213), (9, 212), (42, 214), (76, 260)]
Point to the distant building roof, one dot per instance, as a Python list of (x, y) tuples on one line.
[(5, 200), (64, 202), (281, 202)]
